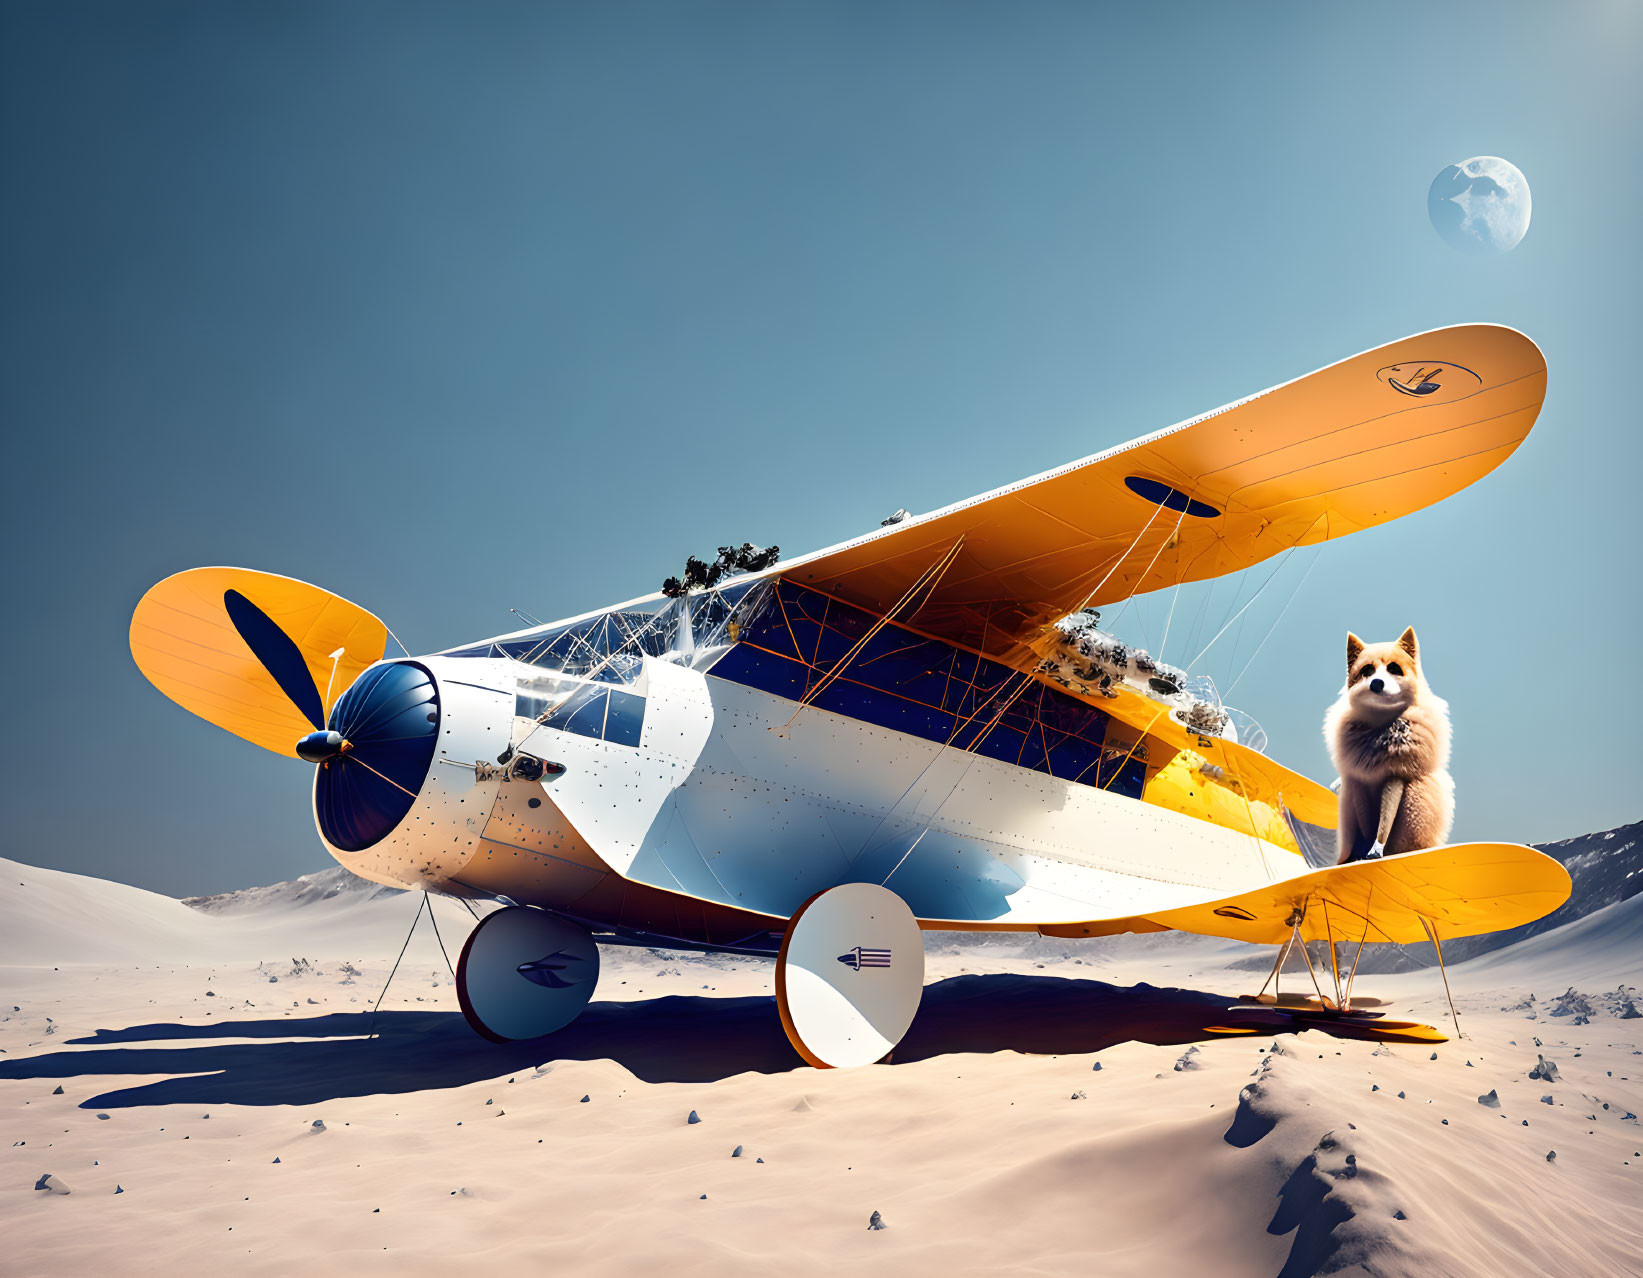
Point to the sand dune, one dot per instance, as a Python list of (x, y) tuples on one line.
[(195, 1046), (48, 917)]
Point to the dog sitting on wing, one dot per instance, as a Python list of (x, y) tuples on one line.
[(1388, 735)]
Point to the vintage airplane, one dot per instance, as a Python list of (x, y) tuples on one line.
[(923, 728)]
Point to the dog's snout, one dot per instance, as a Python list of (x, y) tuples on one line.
[(1377, 685)]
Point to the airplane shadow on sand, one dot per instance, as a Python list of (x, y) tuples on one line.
[(691, 1039)]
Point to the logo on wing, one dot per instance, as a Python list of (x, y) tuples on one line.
[(545, 971), (860, 957), (1428, 377)]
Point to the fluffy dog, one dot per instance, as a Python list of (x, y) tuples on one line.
[(1388, 735)]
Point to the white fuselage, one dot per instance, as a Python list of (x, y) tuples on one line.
[(739, 800)]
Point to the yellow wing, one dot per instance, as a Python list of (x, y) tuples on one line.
[(1358, 443), (1462, 889)]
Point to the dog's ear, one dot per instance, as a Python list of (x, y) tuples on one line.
[(1410, 644), (1354, 650)]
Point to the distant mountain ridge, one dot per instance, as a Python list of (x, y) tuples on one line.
[(1606, 867), (307, 889)]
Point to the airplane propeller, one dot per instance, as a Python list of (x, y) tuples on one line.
[(251, 651), (248, 651)]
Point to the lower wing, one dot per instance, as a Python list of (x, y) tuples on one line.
[(1462, 889)]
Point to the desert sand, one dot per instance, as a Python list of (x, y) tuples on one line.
[(200, 1081)]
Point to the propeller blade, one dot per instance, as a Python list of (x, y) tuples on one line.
[(278, 653), (198, 638)]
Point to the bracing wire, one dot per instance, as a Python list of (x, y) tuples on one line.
[(1203, 606), (1162, 547), (1294, 590), (971, 749), (371, 1029), (931, 577), (1116, 562), (1180, 580), (1026, 682), (1240, 611), (1169, 621), (427, 900), (1235, 616), (356, 759)]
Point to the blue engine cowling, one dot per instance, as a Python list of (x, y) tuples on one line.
[(390, 720)]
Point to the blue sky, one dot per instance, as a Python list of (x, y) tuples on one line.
[(456, 307)]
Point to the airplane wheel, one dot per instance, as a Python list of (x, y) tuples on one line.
[(850, 975), (525, 973)]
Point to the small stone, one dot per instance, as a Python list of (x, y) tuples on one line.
[(51, 1184), (584, 1100), (104, 1117), (1434, 1056), (1551, 1155), (1096, 1066), (1491, 1099), (1401, 1096), (319, 1125), (1525, 1122), (119, 1189), (737, 1152), (1446, 1122), (491, 1102), (58, 1090), (1374, 1087), (876, 1221), (704, 1196), (1545, 1100), (694, 1118), (758, 1160), (276, 1160), (375, 1210)]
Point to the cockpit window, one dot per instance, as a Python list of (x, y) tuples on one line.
[(592, 710)]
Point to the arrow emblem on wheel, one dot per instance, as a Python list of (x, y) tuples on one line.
[(545, 971), (859, 958)]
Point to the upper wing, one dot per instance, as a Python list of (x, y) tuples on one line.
[(1355, 444)]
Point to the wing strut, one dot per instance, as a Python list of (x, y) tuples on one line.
[(1432, 931)]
